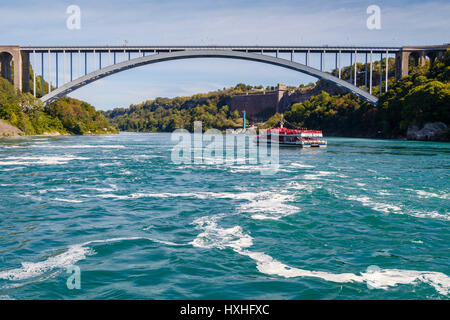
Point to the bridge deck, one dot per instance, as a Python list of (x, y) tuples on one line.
[(251, 49), (124, 57)]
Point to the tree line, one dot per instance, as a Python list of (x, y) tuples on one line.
[(421, 97), (168, 114), (65, 116)]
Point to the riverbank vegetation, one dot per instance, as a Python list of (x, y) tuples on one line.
[(412, 102), (166, 115), (420, 98), (64, 116)]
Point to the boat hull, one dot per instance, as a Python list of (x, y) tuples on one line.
[(296, 145), (293, 138)]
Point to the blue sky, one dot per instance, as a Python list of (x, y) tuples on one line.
[(43, 22)]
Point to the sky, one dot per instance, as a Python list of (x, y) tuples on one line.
[(230, 22)]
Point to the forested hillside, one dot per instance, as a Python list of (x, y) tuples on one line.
[(164, 114), (64, 116), (421, 97)]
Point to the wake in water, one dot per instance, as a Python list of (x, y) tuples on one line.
[(212, 236)]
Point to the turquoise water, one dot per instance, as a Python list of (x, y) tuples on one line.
[(362, 219)]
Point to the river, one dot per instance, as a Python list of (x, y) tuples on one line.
[(361, 219)]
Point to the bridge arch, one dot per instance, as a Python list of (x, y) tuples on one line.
[(190, 54)]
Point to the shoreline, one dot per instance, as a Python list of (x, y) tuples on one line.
[(54, 134), (326, 136), (13, 132), (57, 134)]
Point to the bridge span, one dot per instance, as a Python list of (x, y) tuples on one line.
[(67, 68)]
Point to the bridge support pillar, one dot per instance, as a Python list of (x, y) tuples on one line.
[(21, 64), (422, 58), (401, 64), (419, 54), (433, 55), (25, 70), (398, 65)]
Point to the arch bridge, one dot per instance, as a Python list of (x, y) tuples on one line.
[(68, 68)]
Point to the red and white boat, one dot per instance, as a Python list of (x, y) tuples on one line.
[(293, 138)]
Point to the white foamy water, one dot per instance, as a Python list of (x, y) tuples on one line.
[(319, 175), (306, 187), (112, 188), (142, 157), (430, 214), (125, 172), (196, 195), (79, 146), (359, 184), (32, 160), (28, 270), (269, 206), (301, 165), (113, 196), (378, 206), (426, 194), (72, 255), (11, 169), (56, 189), (137, 195), (266, 205), (375, 278), (390, 208), (68, 200), (109, 164), (213, 236), (257, 168)]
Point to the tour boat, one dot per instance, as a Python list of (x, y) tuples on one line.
[(293, 138)]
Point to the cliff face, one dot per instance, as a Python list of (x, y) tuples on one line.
[(260, 106)]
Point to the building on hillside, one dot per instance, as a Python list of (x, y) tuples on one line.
[(260, 105)]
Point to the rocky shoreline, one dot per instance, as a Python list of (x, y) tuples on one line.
[(432, 131), (8, 130)]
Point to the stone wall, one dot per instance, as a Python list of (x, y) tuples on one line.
[(260, 106), (304, 94)]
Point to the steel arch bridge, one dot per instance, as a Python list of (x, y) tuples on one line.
[(96, 62), (190, 54)]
